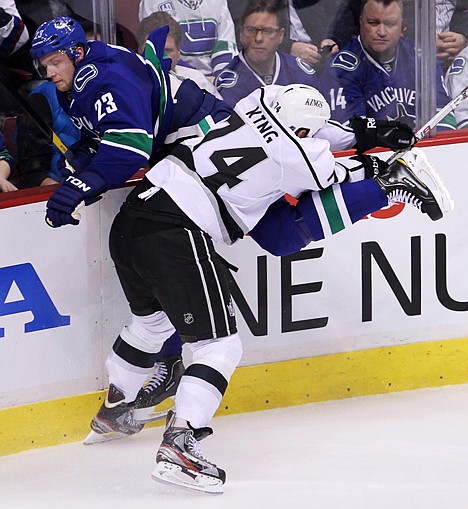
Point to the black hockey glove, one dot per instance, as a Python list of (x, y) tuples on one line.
[(63, 205), (78, 157), (372, 133), (373, 166)]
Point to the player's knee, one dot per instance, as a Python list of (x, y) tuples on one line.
[(148, 333), (222, 354)]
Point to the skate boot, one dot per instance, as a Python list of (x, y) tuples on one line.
[(179, 460), (114, 419), (413, 180), (163, 385)]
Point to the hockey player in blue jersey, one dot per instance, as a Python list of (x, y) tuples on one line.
[(374, 75), (121, 100), (124, 107)]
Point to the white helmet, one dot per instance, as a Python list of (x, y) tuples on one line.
[(301, 106)]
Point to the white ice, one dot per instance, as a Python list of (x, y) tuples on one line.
[(396, 451)]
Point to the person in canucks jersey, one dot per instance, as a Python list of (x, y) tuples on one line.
[(374, 75), (120, 99), (208, 40)]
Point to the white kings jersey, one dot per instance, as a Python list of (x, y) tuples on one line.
[(244, 164)]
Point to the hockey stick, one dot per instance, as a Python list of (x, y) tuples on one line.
[(41, 123), (430, 124)]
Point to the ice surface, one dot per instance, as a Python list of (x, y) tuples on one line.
[(396, 451)]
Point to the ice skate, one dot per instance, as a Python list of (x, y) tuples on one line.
[(413, 180), (114, 420), (417, 160), (179, 460), (163, 385)]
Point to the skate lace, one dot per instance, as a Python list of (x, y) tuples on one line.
[(158, 377), (405, 197), (194, 446)]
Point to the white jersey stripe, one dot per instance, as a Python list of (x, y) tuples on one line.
[(342, 206), (322, 215), (218, 284), (202, 277)]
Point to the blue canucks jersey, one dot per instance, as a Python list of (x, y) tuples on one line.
[(118, 101), (238, 79), (354, 83), (124, 101)]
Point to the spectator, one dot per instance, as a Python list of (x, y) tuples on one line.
[(311, 22), (37, 161), (172, 48), (456, 80), (345, 25), (306, 28), (13, 33), (374, 75), (451, 24), (6, 167), (13, 36), (208, 40), (452, 29), (259, 63)]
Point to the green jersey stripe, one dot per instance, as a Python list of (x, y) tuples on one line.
[(136, 141), (332, 210)]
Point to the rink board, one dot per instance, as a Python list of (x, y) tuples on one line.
[(380, 307)]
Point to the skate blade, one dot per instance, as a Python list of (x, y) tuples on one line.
[(150, 413), (168, 473), (98, 438), (424, 170)]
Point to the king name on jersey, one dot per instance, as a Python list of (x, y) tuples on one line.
[(263, 125)]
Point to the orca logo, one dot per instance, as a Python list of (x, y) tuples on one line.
[(35, 299), (227, 79), (458, 65), (86, 74), (304, 66), (346, 60)]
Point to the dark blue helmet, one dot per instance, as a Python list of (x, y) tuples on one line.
[(62, 33)]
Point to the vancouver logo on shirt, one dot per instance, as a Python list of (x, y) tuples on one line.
[(86, 74)]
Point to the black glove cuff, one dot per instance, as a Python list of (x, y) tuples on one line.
[(373, 166)]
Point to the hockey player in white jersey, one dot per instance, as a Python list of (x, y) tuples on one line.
[(217, 188)]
